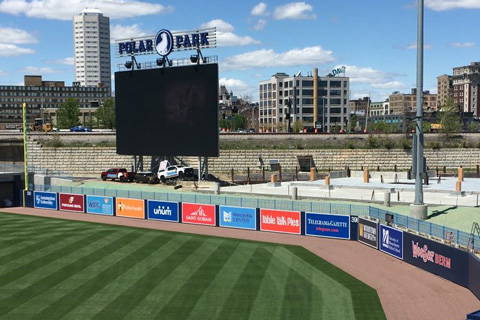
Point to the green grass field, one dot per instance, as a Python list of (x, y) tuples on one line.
[(60, 269)]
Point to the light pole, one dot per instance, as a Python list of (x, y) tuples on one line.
[(418, 209), (323, 114)]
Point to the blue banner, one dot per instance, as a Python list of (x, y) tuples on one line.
[(100, 205), (327, 225), (391, 241), (162, 210), (236, 217), (45, 200)]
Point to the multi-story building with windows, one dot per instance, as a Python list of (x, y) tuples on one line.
[(380, 108), (401, 103), (444, 90), (287, 100), (91, 38), (466, 93), (360, 107), (42, 99)]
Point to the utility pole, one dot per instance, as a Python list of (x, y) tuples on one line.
[(418, 209)]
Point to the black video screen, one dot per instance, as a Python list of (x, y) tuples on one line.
[(168, 111)]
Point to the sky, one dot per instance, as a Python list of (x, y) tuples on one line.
[(374, 39)]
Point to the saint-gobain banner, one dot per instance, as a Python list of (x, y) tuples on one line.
[(237, 217), (45, 200), (447, 262), (71, 202), (162, 210), (100, 205), (327, 225), (368, 232), (198, 213), (280, 221), (391, 241)]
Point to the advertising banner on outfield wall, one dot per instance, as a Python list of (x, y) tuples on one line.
[(447, 262), (280, 221), (327, 225), (237, 217), (368, 232), (198, 214), (45, 200), (100, 205), (71, 202), (162, 210), (391, 241), (131, 208)]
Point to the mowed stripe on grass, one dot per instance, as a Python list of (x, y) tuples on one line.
[(82, 270)]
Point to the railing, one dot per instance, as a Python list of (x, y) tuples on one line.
[(11, 168), (439, 232)]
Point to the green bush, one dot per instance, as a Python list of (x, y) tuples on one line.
[(372, 142)]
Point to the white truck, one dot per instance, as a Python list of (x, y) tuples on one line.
[(173, 172)]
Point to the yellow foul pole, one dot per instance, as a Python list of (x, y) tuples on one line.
[(25, 150)]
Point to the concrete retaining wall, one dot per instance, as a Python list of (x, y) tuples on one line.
[(93, 160)]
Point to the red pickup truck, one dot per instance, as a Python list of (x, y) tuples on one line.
[(118, 173)]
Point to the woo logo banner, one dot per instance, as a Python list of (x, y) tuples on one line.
[(327, 225), (198, 213), (162, 210), (280, 221), (132, 208), (446, 261), (236, 217), (391, 241), (45, 200), (100, 205), (368, 232), (71, 202)]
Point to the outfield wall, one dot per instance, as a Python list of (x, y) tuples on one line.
[(441, 259)]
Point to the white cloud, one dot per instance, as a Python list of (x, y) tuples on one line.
[(441, 5), (3, 73), (266, 58), (374, 78), (228, 39), (239, 87), (16, 36), (261, 23), (9, 50), (123, 32), (36, 70), (221, 25), (233, 84), (225, 35), (259, 10), (294, 10), (413, 45), (65, 10), (70, 61), (394, 85), (463, 44)]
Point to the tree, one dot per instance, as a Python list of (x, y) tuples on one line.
[(449, 119), (239, 122), (68, 113), (106, 114)]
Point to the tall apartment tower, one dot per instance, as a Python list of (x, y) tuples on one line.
[(466, 91), (444, 89), (91, 34)]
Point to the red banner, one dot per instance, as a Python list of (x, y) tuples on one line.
[(198, 213), (280, 221), (71, 202)]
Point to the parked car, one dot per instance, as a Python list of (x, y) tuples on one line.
[(146, 177), (80, 129), (118, 173)]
